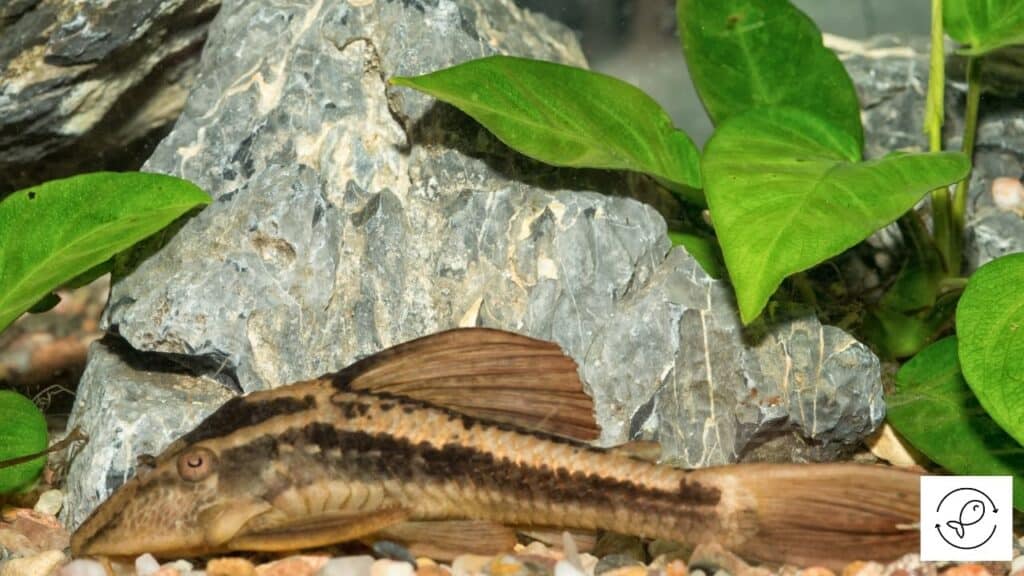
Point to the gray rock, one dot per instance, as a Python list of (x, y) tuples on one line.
[(891, 75), (87, 84), (350, 216), (122, 405)]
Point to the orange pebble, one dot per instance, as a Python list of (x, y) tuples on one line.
[(676, 568), (817, 571), (230, 567), (966, 570)]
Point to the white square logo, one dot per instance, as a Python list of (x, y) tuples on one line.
[(967, 518)]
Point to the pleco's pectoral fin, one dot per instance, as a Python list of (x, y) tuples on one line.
[(223, 521), (315, 530), (485, 373), (445, 539)]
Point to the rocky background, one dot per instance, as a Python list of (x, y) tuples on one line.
[(350, 216)]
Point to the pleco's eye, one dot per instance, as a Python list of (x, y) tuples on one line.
[(195, 464)]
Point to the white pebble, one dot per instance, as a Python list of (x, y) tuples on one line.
[(565, 568), (1008, 194), (1018, 565), (146, 565), (391, 568), (50, 502), (182, 566), (347, 566), (83, 568)]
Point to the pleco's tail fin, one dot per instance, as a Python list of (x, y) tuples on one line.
[(830, 514)]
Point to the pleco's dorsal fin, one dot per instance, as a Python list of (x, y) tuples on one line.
[(484, 373)]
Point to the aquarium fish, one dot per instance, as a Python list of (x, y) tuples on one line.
[(452, 443)]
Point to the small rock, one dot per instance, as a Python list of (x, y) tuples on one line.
[(232, 567), (83, 568), (817, 571), (427, 567), (387, 567), (146, 565), (41, 564), (863, 569), (167, 571), (634, 570), (346, 566), (393, 551), (614, 562), (1008, 194), (676, 568), (41, 531), (292, 566), (713, 557), (566, 568), (183, 566), (966, 570), (50, 502), (1017, 566), (469, 564), (505, 565)]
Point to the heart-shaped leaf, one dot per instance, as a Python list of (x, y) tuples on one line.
[(745, 54), (786, 192), (52, 233), (984, 25), (990, 325), (22, 432), (936, 411), (568, 116)]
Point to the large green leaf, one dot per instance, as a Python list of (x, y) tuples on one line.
[(745, 54), (786, 192), (984, 25), (936, 411), (54, 232), (990, 324), (22, 432), (568, 116)]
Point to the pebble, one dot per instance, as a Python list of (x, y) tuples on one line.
[(293, 566), (966, 570), (146, 565), (1017, 567), (346, 566), (41, 564), (469, 564), (817, 571), (50, 502), (566, 568), (863, 569), (234, 567), (634, 570), (1008, 194), (386, 567), (83, 568)]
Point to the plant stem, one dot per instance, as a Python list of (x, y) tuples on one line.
[(941, 215), (970, 131)]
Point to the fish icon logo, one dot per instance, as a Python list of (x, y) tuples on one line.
[(971, 513), (973, 525)]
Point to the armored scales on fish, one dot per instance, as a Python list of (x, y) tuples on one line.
[(454, 441)]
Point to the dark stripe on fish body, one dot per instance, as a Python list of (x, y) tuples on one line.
[(385, 454), (243, 411)]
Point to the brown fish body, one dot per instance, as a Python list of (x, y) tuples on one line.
[(357, 455)]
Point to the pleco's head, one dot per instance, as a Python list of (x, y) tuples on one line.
[(172, 508)]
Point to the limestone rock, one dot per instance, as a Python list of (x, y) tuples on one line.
[(81, 81)]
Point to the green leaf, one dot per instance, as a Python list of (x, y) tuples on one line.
[(704, 250), (984, 25), (568, 116), (786, 192), (745, 54), (990, 324), (936, 411), (47, 303), (22, 432), (56, 231)]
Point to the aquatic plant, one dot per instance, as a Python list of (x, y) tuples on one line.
[(66, 233)]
